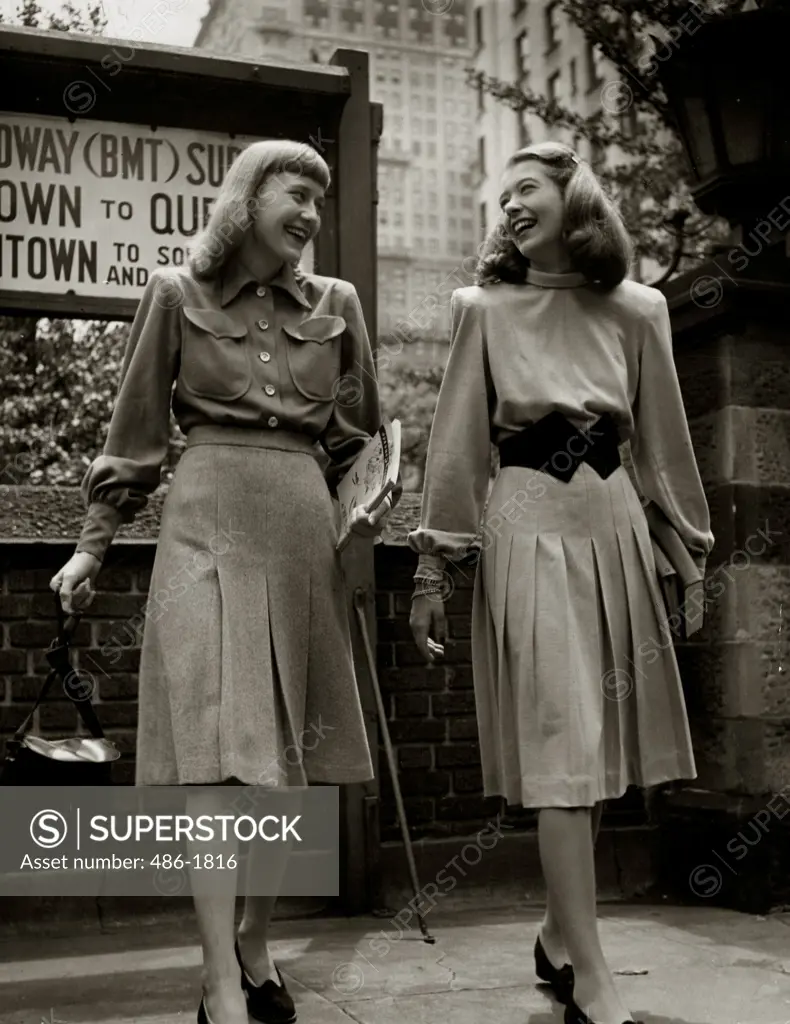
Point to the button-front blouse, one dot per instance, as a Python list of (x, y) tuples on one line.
[(287, 355)]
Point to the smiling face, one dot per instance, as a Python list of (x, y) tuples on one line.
[(533, 208), (288, 215)]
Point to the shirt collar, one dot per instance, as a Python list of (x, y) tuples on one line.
[(236, 276)]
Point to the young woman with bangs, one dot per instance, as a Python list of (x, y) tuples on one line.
[(246, 669), (557, 358)]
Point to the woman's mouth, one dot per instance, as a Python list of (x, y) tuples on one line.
[(521, 225), (301, 235)]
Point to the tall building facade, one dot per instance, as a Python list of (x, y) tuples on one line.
[(531, 43), (427, 213)]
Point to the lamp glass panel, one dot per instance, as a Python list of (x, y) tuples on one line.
[(700, 139), (744, 111)]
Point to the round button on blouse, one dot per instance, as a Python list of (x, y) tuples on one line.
[(260, 292), (263, 324), (264, 357), (269, 389), (273, 421)]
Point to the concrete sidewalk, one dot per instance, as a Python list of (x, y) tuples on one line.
[(689, 965)]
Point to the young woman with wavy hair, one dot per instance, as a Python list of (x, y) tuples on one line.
[(246, 669), (557, 358)]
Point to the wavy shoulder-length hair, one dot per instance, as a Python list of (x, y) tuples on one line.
[(243, 192), (597, 240)]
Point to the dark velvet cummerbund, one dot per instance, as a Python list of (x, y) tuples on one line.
[(554, 445)]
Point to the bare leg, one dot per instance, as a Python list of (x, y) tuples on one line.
[(550, 932), (266, 866), (566, 851), (214, 895), (597, 811)]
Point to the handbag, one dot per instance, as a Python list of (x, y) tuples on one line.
[(75, 761), (680, 579)]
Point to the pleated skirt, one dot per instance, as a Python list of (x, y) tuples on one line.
[(246, 669), (576, 682)]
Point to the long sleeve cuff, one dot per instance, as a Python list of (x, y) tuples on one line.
[(430, 567), (101, 525)]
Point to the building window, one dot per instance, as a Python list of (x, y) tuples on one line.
[(522, 56), (553, 87), (480, 98), (351, 16), (417, 125), (430, 148), (454, 27), (316, 13), (573, 77), (386, 18), (430, 126), (420, 23), (397, 220), (551, 16), (466, 202), (466, 226), (481, 155), (524, 138), (416, 147), (430, 104), (478, 28), (450, 149), (592, 60)]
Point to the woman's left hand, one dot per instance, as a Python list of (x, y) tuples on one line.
[(370, 524)]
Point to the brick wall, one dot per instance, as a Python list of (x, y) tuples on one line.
[(431, 709)]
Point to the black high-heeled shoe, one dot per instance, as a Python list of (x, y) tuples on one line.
[(560, 978), (573, 1015), (202, 1015), (268, 1003)]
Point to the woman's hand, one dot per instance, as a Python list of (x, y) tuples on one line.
[(370, 524), (427, 620), (75, 581)]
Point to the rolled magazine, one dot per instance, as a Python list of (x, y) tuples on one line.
[(371, 478)]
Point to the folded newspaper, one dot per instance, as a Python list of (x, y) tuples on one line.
[(371, 478)]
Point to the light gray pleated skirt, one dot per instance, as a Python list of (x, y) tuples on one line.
[(246, 668), (576, 683)]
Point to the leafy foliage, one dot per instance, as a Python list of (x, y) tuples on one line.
[(409, 394), (638, 154), (59, 383), (59, 376)]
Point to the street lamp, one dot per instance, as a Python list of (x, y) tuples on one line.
[(728, 87)]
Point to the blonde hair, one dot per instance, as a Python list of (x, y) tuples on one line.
[(598, 243), (239, 198)]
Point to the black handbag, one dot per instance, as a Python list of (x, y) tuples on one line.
[(75, 761)]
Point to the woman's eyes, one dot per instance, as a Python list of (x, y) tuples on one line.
[(301, 197)]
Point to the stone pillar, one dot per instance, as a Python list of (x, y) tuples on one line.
[(725, 837)]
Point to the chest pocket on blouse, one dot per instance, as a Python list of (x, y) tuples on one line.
[(313, 350), (215, 362)]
